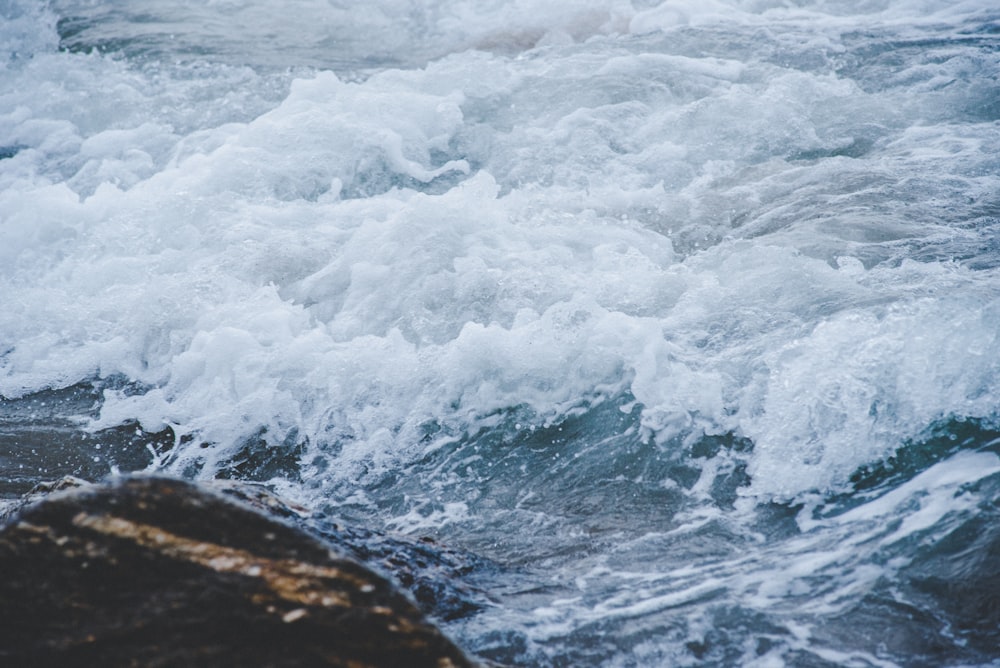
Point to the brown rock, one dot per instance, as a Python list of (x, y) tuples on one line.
[(160, 572)]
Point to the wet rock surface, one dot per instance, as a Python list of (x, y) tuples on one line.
[(437, 577), (149, 571)]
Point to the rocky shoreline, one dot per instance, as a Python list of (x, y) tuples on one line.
[(154, 571)]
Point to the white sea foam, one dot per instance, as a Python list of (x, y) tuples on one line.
[(728, 237), (410, 244)]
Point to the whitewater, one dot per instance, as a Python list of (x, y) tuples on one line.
[(683, 315)]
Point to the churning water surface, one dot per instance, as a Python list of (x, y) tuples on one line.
[(685, 316)]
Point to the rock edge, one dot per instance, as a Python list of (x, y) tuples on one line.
[(151, 571)]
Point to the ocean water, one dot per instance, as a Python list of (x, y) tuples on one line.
[(685, 316)]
